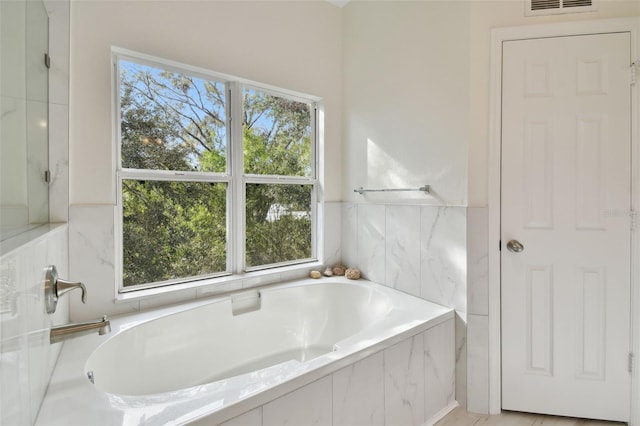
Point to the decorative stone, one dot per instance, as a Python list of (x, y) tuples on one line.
[(315, 274), (328, 272), (338, 269), (352, 274)]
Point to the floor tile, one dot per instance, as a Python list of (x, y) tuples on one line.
[(459, 417)]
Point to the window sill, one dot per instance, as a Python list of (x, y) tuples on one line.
[(221, 285)]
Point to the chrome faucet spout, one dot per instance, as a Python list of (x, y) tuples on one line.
[(69, 331)]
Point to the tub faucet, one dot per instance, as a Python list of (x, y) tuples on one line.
[(69, 331)]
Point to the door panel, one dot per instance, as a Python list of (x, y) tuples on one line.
[(566, 185)]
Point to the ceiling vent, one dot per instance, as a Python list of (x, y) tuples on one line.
[(556, 7)]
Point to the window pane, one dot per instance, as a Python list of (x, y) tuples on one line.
[(277, 135), (172, 230), (171, 121), (278, 223)]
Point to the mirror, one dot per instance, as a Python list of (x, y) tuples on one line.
[(24, 106)]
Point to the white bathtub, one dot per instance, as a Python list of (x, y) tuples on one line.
[(200, 361)]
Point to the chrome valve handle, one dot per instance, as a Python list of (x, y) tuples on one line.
[(55, 287)]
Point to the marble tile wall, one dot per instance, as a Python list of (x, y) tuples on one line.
[(410, 383), (27, 358), (420, 250), (437, 253), (478, 310), (92, 261)]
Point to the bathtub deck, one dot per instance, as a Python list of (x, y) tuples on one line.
[(410, 346)]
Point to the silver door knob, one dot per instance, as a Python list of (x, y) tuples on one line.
[(514, 246)]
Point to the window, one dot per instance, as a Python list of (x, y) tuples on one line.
[(216, 176)]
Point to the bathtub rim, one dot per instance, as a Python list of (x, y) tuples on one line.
[(338, 283), (76, 352)]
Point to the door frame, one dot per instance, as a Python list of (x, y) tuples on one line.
[(498, 36)]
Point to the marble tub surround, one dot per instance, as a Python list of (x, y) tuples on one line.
[(420, 250), (416, 249), (399, 239), (477, 348), (478, 260), (27, 359), (404, 372), (92, 260), (438, 253), (409, 383)]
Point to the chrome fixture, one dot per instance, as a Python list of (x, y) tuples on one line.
[(69, 331), (246, 301), (514, 246), (424, 188), (54, 287)]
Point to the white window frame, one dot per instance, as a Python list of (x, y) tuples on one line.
[(235, 178)]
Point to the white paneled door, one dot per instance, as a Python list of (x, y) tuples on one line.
[(565, 225)]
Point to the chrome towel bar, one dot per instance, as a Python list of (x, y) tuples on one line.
[(424, 188)]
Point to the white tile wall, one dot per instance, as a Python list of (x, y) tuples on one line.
[(404, 384), (250, 418), (443, 257), (370, 247), (439, 342), (403, 249), (461, 358), (358, 393), (395, 243), (332, 252), (421, 250), (478, 364), (26, 356), (92, 261), (14, 350), (309, 405), (478, 260), (477, 371), (212, 290), (349, 241), (167, 299), (404, 246)]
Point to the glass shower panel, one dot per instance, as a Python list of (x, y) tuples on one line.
[(24, 87)]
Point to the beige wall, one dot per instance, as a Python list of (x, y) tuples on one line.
[(415, 75), (416, 92), (293, 45), (485, 15), (406, 99)]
